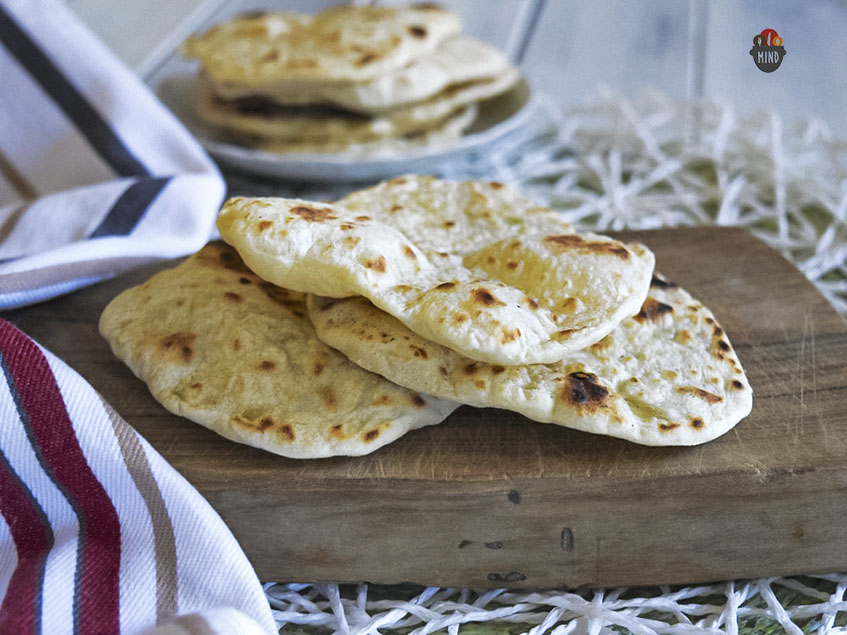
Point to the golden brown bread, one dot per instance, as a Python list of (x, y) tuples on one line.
[(218, 345), (470, 265), (342, 43), (667, 376)]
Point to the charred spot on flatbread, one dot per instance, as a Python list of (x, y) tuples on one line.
[(179, 345), (574, 241), (312, 214), (582, 389), (653, 310)]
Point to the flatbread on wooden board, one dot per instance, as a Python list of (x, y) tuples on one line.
[(342, 43), (470, 265), (667, 376), (218, 345)]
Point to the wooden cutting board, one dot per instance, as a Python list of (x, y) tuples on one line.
[(492, 499)]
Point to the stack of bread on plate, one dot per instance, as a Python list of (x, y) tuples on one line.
[(320, 329), (351, 77)]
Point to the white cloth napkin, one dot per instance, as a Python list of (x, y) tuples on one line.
[(96, 176), (98, 534)]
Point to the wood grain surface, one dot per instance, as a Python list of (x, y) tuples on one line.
[(490, 498)]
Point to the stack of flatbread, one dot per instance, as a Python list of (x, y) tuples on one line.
[(350, 77), (334, 328)]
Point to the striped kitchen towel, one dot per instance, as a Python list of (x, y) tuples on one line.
[(98, 533), (96, 176)]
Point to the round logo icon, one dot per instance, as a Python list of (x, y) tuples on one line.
[(767, 51)]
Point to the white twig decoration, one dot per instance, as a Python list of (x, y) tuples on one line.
[(772, 605)]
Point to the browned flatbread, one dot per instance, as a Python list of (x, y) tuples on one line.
[(666, 376), (222, 347), (470, 265)]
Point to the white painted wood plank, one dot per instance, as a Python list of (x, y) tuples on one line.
[(812, 80), (143, 33), (625, 45)]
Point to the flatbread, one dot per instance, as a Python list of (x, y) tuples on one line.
[(270, 121), (469, 265), (667, 376), (343, 43), (218, 345), (439, 136), (456, 61)]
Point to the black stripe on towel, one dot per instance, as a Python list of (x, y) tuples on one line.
[(87, 120), (130, 207)]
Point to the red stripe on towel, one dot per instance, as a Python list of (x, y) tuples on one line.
[(51, 432), (30, 530)]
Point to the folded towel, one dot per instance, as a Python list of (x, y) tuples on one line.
[(96, 176), (98, 534)]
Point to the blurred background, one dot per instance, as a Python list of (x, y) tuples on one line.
[(567, 48)]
